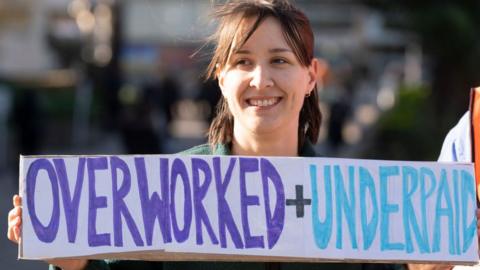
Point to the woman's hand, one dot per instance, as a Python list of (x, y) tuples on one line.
[(14, 234), (478, 228), (15, 220)]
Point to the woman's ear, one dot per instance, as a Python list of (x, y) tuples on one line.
[(322, 71), (220, 79), (317, 72)]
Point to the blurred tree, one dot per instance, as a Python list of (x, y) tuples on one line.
[(406, 132), (450, 37)]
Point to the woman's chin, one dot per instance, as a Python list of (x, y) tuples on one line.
[(265, 128)]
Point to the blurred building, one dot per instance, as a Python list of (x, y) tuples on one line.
[(117, 77), (122, 71), (370, 55)]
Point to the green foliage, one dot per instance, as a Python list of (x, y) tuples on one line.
[(405, 115), (449, 32), (406, 132)]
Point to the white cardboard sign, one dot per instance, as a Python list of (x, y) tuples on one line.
[(299, 208)]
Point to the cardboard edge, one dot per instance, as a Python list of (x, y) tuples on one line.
[(21, 192), (174, 256), (470, 116)]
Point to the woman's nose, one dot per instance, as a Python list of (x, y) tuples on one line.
[(261, 78)]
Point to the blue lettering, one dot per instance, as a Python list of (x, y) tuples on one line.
[(343, 203), (457, 212), (369, 229), (322, 231), (409, 217), (443, 191), (468, 195), (386, 209)]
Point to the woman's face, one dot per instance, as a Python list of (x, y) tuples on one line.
[(264, 83)]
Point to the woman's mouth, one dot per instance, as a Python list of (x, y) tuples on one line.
[(263, 102)]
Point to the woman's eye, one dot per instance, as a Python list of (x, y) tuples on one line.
[(242, 62), (279, 61)]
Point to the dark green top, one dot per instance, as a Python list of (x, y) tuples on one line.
[(204, 149), (223, 150)]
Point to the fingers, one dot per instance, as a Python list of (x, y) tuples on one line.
[(16, 230), (17, 200), (14, 213), (15, 220), (13, 233), (14, 224), (477, 212)]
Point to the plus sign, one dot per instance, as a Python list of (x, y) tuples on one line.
[(299, 201)]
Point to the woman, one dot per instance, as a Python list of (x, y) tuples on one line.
[(264, 64), (265, 68)]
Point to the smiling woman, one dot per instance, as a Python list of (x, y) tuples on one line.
[(265, 67), (265, 85)]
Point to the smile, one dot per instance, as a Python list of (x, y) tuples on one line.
[(263, 102)]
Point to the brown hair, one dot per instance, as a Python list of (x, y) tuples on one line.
[(299, 36)]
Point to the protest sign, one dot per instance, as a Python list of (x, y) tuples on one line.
[(247, 208)]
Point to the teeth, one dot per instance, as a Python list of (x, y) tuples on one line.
[(263, 102)]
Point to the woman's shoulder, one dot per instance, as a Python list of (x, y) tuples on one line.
[(307, 150), (202, 149), (207, 149)]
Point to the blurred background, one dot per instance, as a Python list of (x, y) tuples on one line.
[(117, 77)]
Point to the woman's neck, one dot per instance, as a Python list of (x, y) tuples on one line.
[(271, 144)]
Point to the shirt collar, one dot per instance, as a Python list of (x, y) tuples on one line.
[(307, 150)]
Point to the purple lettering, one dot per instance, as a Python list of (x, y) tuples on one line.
[(44, 233), (95, 202), (276, 221), (70, 204), (225, 219), (248, 165), (199, 192), (154, 207), (179, 169), (119, 207)]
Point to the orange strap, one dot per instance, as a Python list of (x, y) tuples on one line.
[(475, 118)]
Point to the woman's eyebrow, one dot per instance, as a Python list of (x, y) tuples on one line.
[(242, 51), (279, 50), (273, 50)]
